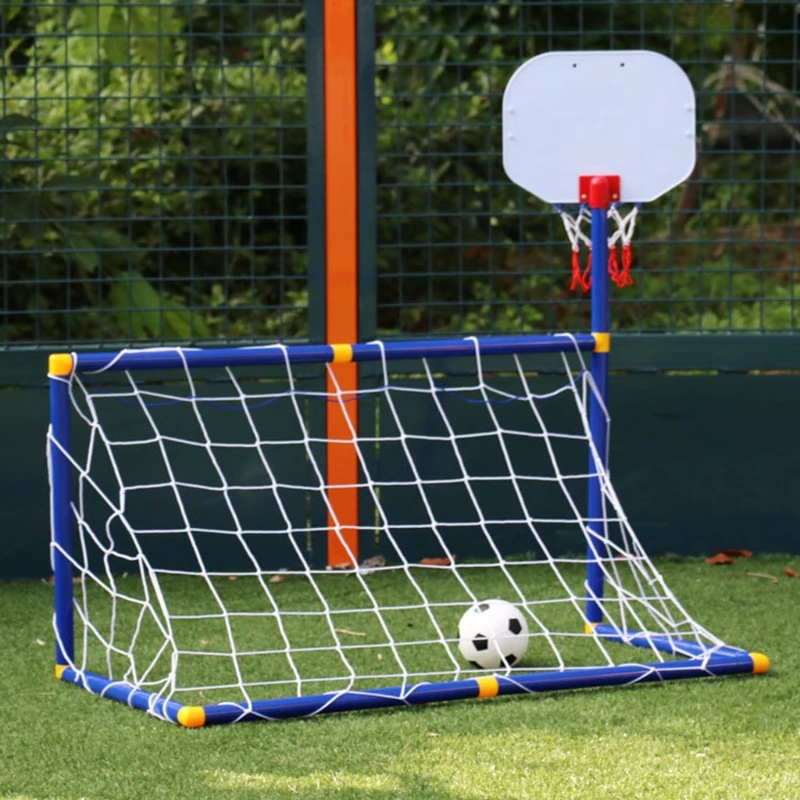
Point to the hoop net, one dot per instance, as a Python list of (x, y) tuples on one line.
[(618, 267)]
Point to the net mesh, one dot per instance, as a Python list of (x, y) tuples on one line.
[(622, 235), (200, 504)]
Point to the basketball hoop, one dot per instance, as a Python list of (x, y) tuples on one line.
[(623, 235), (561, 133)]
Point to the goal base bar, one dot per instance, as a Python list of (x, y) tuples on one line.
[(714, 662)]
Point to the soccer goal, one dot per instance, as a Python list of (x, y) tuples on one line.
[(193, 503), (184, 492)]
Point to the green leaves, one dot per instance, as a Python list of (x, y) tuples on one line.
[(74, 183), (116, 42), (139, 26), (11, 9), (143, 312), (11, 121), (153, 24), (82, 250)]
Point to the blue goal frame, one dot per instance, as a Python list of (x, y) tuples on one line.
[(699, 660)]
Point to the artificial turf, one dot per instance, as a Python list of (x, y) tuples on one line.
[(717, 738)]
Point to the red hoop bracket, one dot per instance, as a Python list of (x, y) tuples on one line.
[(585, 188)]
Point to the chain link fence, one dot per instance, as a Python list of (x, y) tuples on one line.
[(461, 249), (155, 171)]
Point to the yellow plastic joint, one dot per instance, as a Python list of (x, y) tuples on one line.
[(59, 364), (192, 716), (588, 627), (760, 663), (60, 670), (602, 342), (342, 353), (488, 687)]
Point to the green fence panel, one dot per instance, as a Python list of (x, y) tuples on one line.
[(153, 171), (462, 249)]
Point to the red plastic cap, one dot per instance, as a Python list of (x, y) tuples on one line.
[(599, 191)]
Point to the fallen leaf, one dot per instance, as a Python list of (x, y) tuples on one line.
[(431, 733), (437, 562), (738, 553), (204, 642), (233, 577), (349, 633), (376, 561), (41, 642), (342, 565), (278, 579), (720, 558), (791, 573), (380, 657)]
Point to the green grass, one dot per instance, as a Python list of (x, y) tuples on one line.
[(721, 738), (204, 636)]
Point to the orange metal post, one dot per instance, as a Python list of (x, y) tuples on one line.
[(341, 290)]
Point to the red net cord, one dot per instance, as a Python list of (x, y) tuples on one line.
[(581, 278), (621, 277), (627, 260)]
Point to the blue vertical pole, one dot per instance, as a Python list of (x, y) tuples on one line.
[(599, 199), (60, 511)]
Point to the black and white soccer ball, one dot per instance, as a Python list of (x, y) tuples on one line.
[(493, 634)]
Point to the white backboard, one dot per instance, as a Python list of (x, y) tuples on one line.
[(623, 112)]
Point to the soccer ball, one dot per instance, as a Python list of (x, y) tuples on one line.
[(493, 634)]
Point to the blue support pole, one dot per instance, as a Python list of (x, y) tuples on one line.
[(599, 200), (61, 515), (168, 358)]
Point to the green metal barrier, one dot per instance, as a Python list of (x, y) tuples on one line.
[(701, 463)]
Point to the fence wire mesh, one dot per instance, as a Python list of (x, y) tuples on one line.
[(154, 170), (461, 249)]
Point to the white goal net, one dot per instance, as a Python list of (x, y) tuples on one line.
[(200, 506)]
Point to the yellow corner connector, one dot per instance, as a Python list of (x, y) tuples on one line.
[(602, 342), (60, 670), (59, 364), (588, 627), (342, 353), (488, 687), (192, 716), (760, 663)]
